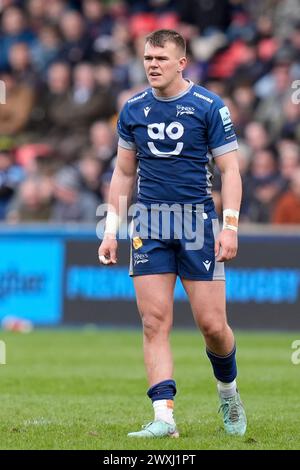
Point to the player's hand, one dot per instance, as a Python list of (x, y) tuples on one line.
[(108, 250), (226, 245)]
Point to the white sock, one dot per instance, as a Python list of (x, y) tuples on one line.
[(226, 390), (163, 411)]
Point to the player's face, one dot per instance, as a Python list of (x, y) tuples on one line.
[(163, 64)]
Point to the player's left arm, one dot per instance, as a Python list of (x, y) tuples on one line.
[(227, 242)]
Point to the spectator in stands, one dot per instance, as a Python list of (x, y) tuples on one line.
[(11, 175), (289, 158), (106, 82), (245, 99), (36, 12), (77, 46), (72, 203), (287, 209), (98, 21), (288, 126), (14, 29), (55, 9), (264, 185), (32, 203), (45, 50), (90, 170), (21, 66), (49, 103), (103, 142), (256, 136), (277, 88), (83, 105), (285, 13), (251, 68), (14, 115), (122, 58), (59, 78), (59, 82)]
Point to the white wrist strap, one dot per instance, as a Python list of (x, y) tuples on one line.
[(230, 219), (112, 224)]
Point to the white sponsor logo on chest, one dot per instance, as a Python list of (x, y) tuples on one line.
[(180, 110)]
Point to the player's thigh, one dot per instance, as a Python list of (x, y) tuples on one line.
[(154, 294), (207, 299)]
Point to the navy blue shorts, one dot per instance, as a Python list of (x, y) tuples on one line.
[(186, 250)]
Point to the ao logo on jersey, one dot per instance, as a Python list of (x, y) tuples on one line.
[(159, 131)]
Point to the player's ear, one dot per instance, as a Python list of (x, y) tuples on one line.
[(182, 64)]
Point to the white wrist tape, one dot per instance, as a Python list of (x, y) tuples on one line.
[(112, 224), (230, 219)]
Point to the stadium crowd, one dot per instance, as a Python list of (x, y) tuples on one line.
[(69, 65)]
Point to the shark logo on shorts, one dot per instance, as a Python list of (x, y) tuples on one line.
[(140, 258)]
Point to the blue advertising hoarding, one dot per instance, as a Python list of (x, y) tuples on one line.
[(262, 288), (31, 271), (244, 285)]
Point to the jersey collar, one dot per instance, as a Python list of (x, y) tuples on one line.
[(176, 97)]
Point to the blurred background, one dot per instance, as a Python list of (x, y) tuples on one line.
[(68, 67)]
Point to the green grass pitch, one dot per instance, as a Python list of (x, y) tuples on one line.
[(85, 389)]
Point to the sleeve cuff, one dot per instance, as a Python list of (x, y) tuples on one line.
[(126, 145), (225, 148)]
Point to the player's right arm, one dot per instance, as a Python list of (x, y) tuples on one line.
[(122, 185)]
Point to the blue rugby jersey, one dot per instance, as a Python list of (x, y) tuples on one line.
[(175, 141)]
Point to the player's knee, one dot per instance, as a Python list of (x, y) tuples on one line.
[(155, 322), (214, 330), (154, 327)]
